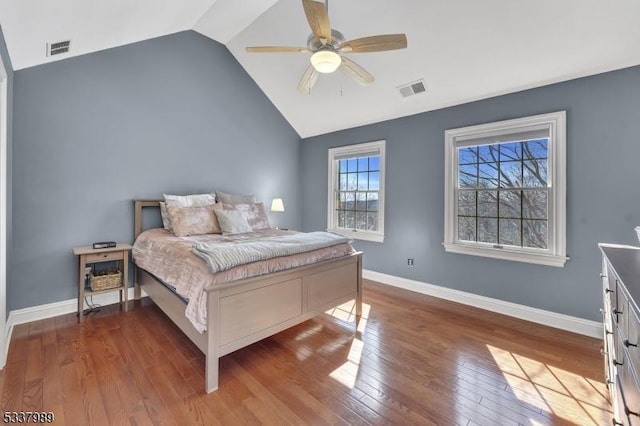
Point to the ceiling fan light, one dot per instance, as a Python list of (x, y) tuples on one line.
[(325, 61)]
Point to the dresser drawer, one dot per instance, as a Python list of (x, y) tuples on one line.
[(105, 257)]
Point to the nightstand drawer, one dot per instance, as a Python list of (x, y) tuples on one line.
[(105, 257)]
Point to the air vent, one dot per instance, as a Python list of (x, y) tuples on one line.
[(412, 88), (58, 47)]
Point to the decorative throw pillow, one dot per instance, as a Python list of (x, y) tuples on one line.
[(193, 200), (232, 221), (254, 213), (193, 220), (166, 222), (223, 197)]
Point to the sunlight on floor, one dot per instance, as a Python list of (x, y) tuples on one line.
[(553, 390), (347, 373)]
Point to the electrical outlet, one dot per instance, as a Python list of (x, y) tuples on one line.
[(410, 262)]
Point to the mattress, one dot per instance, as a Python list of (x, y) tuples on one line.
[(170, 259)]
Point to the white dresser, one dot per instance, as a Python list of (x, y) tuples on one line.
[(621, 318)]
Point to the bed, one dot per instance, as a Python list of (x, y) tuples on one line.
[(243, 311)]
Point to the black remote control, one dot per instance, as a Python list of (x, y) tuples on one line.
[(104, 244)]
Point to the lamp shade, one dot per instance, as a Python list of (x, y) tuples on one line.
[(325, 61), (277, 205)]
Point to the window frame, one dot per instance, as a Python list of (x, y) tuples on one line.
[(555, 254), (350, 151)]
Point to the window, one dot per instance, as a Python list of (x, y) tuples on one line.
[(505, 190), (356, 191)]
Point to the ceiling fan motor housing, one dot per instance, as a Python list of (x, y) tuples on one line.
[(336, 40)]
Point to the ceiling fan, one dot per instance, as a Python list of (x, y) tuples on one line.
[(327, 47)]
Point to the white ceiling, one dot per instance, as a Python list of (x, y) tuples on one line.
[(464, 49)]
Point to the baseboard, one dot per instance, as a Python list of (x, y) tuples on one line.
[(50, 310), (540, 316)]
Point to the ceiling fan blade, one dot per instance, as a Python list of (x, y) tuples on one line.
[(308, 80), (276, 49), (318, 18), (378, 43), (356, 72)]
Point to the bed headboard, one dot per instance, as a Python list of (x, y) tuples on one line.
[(137, 217)]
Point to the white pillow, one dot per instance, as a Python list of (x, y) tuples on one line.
[(232, 222), (193, 200)]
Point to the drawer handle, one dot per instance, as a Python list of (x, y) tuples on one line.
[(617, 311), (615, 362), (603, 275), (105, 255), (616, 423), (627, 343), (629, 412), (608, 290)]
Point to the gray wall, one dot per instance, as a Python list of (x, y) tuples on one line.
[(603, 201), (9, 69), (175, 114)]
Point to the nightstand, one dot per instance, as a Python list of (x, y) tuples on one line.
[(89, 256)]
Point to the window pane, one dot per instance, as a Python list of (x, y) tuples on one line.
[(363, 181), (349, 200), (363, 164), (511, 174), (534, 233), (341, 219), (342, 185), (352, 181), (342, 198), (343, 166), (510, 204), (372, 202), (510, 232), (467, 228), (372, 221), (361, 220), (535, 149), (534, 205), (352, 164), (361, 201), (488, 177), (468, 176), (374, 163), (487, 230), (350, 219), (488, 153), (467, 203), (468, 155), (510, 151), (535, 173), (488, 203), (374, 181)]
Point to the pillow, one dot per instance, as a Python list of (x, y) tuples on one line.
[(193, 200), (193, 220), (254, 213), (232, 221), (223, 197), (166, 222)]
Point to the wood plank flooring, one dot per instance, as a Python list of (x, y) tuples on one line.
[(413, 360)]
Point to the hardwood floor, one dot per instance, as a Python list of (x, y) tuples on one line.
[(413, 360)]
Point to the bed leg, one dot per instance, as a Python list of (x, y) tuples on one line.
[(212, 362), (359, 291)]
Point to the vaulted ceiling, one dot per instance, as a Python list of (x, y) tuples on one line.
[(464, 50)]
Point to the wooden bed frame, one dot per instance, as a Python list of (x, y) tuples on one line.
[(245, 311)]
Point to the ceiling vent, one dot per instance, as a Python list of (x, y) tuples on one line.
[(412, 88), (58, 47)]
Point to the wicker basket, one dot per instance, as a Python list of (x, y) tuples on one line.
[(105, 280)]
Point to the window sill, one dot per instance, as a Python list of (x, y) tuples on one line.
[(538, 259), (358, 235)]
